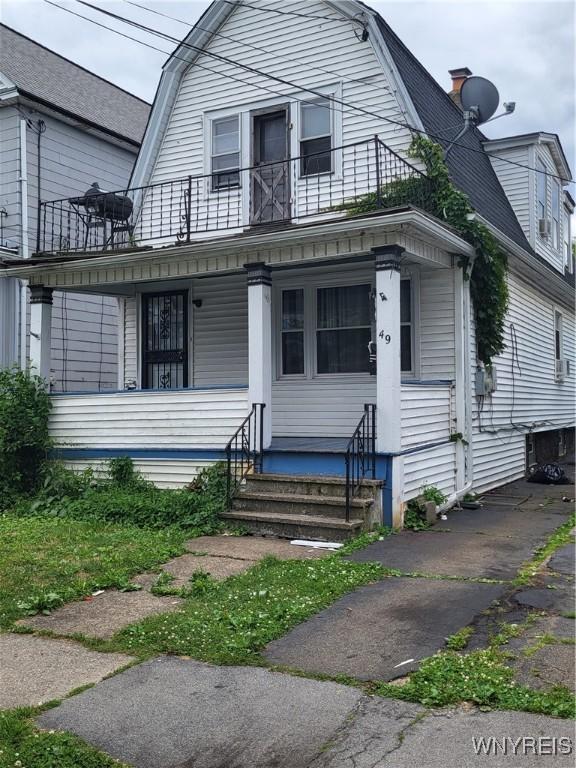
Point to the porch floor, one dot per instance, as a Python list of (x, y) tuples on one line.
[(315, 444)]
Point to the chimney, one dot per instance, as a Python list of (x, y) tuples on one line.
[(458, 77)]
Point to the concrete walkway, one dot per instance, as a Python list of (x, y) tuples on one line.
[(383, 630), (180, 713)]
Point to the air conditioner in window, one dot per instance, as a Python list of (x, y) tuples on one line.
[(544, 227), (562, 369)]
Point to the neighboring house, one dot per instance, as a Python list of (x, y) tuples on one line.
[(245, 289), (61, 129)]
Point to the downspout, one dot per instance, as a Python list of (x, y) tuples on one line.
[(23, 184), (464, 447)]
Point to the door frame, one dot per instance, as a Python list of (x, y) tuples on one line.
[(143, 303), (253, 116)]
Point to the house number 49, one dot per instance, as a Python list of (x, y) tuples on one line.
[(386, 336)]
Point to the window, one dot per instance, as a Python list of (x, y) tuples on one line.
[(343, 329), (293, 332), (568, 258), (315, 137), (541, 188), (555, 215), (558, 335), (225, 153), (406, 334)]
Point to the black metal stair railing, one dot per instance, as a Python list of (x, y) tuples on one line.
[(244, 451), (360, 457), (351, 179)]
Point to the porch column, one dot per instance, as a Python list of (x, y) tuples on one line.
[(260, 342), (388, 375), (41, 330)]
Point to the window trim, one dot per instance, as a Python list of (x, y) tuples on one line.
[(555, 220), (302, 105), (310, 310), (541, 175), (558, 335), (210, 155)]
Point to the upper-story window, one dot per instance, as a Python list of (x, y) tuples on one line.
[(225, 152), (567, 246), (316, 130), (541, 189), (555, 215)]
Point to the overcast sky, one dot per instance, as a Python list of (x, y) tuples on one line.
[(526, 47)]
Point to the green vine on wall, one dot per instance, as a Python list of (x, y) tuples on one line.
[(437, 194), (488, 285)]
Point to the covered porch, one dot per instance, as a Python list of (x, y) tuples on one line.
[(312, 324)]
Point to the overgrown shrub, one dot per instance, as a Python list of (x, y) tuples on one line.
[(121, 494), (24, 439)]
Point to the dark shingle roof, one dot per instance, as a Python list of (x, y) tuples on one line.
[(471, 171), (39, 72)]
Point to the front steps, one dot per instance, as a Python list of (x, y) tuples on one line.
[(302, 507)]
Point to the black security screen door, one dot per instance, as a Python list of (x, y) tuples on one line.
[(164, 341), (270, 183)]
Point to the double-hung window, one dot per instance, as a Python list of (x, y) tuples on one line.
[(327, 330), (316, 129), (406, 327), (225, 152), (541, 188), (558, 335), (293, 332), (343, 328), (555, 215)]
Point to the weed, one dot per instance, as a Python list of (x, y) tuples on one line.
[(481, 677), (560, 537), (459, 640), (229, 622), (364, 539)]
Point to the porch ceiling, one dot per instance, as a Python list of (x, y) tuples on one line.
[(425, 240)]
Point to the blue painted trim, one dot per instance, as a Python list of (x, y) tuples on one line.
[(205, 454), (147, 391)]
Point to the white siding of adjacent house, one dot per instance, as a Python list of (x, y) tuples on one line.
[(295, 48), (84, 328), (527, 398)]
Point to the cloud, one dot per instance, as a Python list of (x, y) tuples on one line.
[(526, 48)]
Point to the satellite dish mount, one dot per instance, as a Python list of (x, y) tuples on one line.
[(479, 98)]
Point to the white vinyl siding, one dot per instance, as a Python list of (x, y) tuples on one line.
[(515, 180), (527, 397), (295, 47), (149, 420), (550, 247), (435, 466), (164, 473)]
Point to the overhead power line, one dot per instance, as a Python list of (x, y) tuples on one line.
[(260, 49), (283, 81)]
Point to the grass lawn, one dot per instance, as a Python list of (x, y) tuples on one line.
[(46, 561)]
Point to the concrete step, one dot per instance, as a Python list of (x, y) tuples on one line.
[(294, 526), (299, 504), (310, 485)]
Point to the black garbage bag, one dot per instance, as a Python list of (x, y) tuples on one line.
[(549, 474)]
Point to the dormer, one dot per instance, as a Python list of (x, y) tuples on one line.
[(534, 172)]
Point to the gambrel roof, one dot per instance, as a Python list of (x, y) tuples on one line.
[(427, 106), (48, 78)]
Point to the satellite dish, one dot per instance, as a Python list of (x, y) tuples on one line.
[(480, 96)]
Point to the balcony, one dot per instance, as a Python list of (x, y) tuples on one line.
[(353, 179)]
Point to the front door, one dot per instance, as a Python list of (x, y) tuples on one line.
[(165, 340), (270, 182)]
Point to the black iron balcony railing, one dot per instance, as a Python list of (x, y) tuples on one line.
[(351, 179)]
